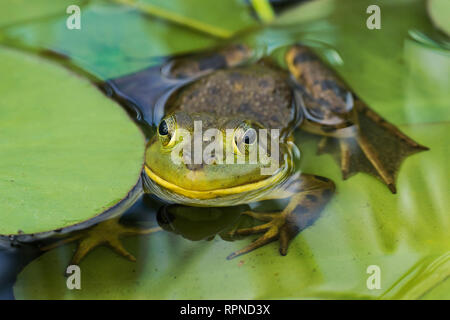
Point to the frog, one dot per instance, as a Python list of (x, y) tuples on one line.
[(230, 91)]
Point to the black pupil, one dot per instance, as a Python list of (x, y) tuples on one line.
[(163, 129), (249, 137)]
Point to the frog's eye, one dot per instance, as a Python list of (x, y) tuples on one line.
[(166, 131), (163, 129), (244, 137), (249, 137)]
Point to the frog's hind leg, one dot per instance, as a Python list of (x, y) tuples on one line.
[(358, 138), (308, 195), (374, 146)]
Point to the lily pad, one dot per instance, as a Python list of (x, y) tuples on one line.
[(116, 39), (439, 11), (68, 152), (201, 15)]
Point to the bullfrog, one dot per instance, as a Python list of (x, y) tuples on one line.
[(238, 97)]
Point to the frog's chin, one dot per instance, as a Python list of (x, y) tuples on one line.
[(171, 192)]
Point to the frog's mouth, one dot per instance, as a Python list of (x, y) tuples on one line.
[(222, 192)]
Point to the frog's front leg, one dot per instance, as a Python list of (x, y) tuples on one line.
[(308, 195), (203, 63)]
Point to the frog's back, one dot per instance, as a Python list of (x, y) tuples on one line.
[(258, 92)]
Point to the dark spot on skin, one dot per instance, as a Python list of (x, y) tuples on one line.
[(180, 74), (213, 90), (329, 85), (244, 107), (348, 123), (336, 88), (235, 76), (213, 62), (301, 209), (263, 83), (323, 102), (322, 178), (274, 118), (327, 193), (328, 128), (304, 57), (193, 94), (311, 197)]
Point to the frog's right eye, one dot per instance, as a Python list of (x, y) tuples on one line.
[(163, 128), (166, 131)]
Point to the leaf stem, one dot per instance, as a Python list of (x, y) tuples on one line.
[(264, 10), (177, 18)]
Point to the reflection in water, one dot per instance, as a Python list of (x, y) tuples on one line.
[(198, 223)]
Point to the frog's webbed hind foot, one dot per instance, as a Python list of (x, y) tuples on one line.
[(358, 138), (310, 195), (107, 233), (377, 147)]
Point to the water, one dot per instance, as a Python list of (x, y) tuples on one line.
[(402, 76)]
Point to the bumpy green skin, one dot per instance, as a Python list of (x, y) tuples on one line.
[(259, 93)]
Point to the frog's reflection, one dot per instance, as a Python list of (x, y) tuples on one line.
[(200, 223)]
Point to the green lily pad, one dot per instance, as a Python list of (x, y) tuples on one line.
[(117, 39), (439, 11), (68, 152), (202, 15)]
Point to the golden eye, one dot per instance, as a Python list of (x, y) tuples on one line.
[(244, 137), (166, 131), (249, 137)]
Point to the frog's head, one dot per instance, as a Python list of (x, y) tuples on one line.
[(199, 156)]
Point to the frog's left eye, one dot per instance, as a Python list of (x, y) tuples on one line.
[(249, 136), (166, 131), (244, 137)]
